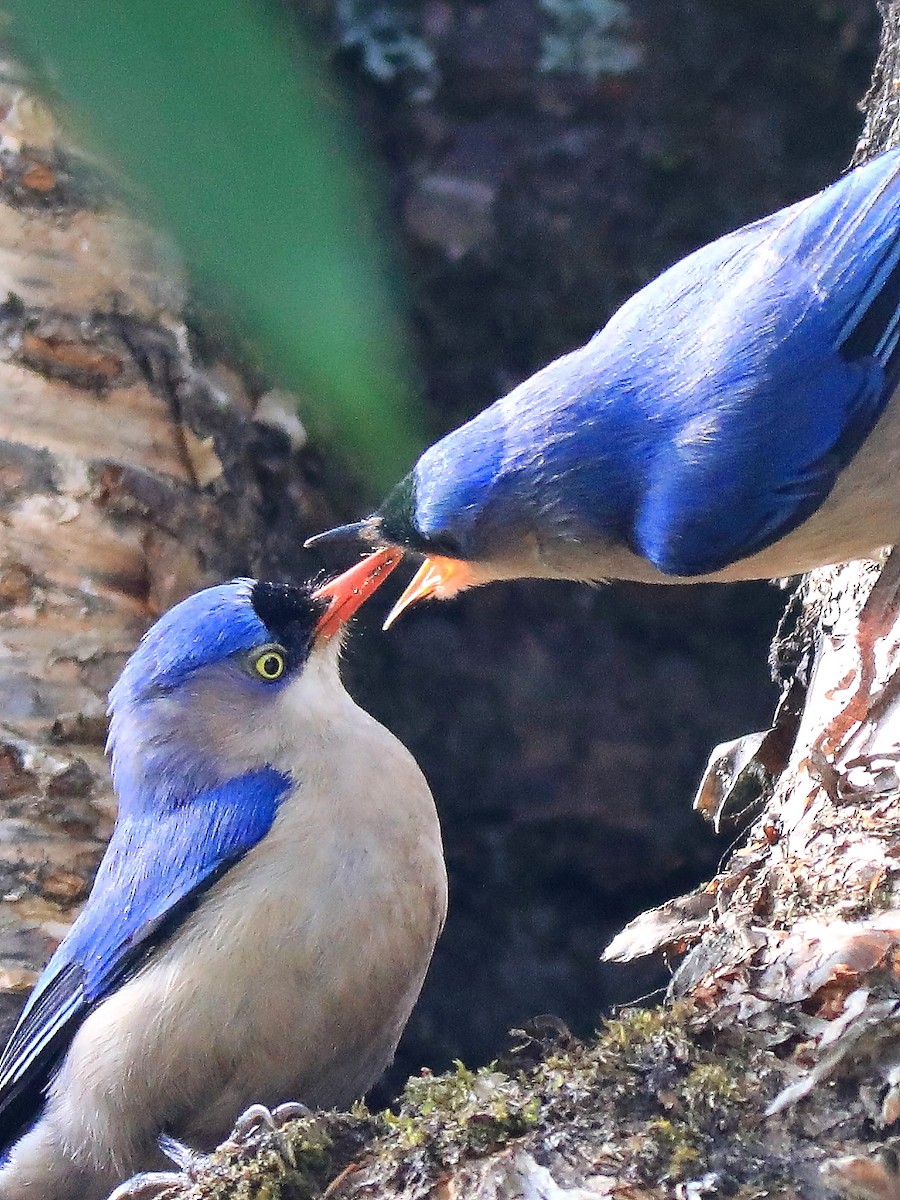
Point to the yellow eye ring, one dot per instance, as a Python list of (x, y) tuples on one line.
[(269, 664)]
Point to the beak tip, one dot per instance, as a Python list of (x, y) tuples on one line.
[(338, 533), (348, 591), (390, 618), (433, 578)]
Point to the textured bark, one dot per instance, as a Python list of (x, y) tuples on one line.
[(130, 474)]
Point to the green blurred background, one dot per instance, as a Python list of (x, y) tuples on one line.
[(231, 128)]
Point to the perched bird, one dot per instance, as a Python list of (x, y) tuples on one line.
[(734, 420), (262, 920)]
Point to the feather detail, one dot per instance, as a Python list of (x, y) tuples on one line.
[(139, 898)]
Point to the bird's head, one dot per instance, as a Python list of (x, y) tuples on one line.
[(498, 497), (225, 683), (448, 510)]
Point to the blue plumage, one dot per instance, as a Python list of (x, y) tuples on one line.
[(138, 898), (703, 424), (204, 628), (262, 920), (184, 817), (715, 409)]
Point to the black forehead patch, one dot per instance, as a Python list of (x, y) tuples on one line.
[(289, 612)]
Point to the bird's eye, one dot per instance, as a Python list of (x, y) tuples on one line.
[(269, 663)]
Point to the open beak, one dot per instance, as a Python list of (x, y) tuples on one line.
[(438, 577), (347, 592)]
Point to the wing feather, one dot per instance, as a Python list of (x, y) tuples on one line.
[(155, 870), (800, 337)]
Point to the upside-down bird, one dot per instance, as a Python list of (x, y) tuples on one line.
[(262, 920), (736, 419)]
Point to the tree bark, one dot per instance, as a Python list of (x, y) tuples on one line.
[(131, 473)]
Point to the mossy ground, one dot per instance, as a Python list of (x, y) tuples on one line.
[(651, 1099)]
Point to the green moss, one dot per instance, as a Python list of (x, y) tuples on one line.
[(572, 1086), (669, 1150), (462, 1112), (298, 1160), (684, 1161), (712, 1088), (636, 1028), (646, 1094)]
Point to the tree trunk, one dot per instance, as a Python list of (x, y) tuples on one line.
[(131, 473)]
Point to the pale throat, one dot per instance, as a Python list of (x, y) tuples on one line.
[(217, 727)]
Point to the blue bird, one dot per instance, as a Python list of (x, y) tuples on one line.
[(733, 420), (262, 920)]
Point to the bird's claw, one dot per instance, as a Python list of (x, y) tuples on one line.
[(151, 1184), (180, 1154), (258, 1117), (292, 1110)]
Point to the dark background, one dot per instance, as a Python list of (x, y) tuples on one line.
[(563, 729)]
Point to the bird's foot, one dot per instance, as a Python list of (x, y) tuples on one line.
[(152, 1184), (180, 1154), (259, 1119)]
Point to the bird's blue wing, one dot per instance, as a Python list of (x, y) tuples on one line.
[(766, 360), (154, 870)]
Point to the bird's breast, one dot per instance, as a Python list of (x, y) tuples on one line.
[(305, 959)]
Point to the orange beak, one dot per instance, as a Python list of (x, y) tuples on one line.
[(348, 591), (439, 577)]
